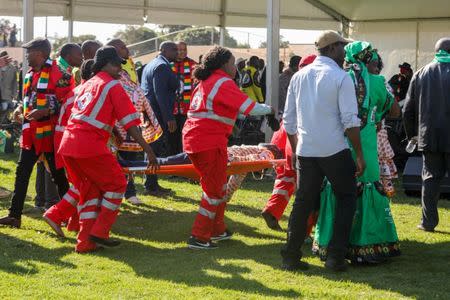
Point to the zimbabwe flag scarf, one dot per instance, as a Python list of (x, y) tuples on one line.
[(37, 100)]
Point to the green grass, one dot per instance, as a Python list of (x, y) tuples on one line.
[(153, 261)]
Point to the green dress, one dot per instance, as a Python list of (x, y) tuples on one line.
[(373, 233)]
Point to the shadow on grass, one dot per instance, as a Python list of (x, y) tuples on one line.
[(421, 272), (203, 268), (9, 157), (165, 225), (20, 256)]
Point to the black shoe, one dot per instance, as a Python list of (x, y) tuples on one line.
[(222, 237), (271, 221), (295, 266), (10, 221), (336, 265), (194, 243), (104, 242), (421, 227)]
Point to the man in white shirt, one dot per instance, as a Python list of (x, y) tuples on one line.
[(321, 111)]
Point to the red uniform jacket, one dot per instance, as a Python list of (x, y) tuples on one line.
[(100, 102), (215, 105)]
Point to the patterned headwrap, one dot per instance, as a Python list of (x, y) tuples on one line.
[(357, 54)]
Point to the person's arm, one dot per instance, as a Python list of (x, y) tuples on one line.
[(161, 79), (409, 110), (290, 110), (353, 135), (137, 136), (128, 118), (261, 110), (290, 118), (348, 110), (293, 140), (395, 111)]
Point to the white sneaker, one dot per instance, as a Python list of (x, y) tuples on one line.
[(134, 200)]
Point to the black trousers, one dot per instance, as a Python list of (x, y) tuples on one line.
[(175, 139), (160, 148), (46, 190), (435, 165), (131, 188), (25, 165), (311, 171)]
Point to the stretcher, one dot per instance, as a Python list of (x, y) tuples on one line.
[(189, 171)]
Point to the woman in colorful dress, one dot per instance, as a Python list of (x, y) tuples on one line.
[(388, 170), (374, 236)]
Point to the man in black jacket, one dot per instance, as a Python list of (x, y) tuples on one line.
[(427, 118)]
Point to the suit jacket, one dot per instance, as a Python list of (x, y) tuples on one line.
[(160, 85), (426, 112)]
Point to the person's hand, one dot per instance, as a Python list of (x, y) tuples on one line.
[(4, 60), (379, 126), (294, 162), (172, 126), (18, 114), (360, 165), (37, 114), (117, 137), (153, 165)]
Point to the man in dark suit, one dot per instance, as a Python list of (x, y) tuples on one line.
[(160, 85)]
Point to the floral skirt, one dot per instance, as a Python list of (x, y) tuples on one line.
[(388, 170)]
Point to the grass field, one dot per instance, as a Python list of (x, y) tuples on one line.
[(153, 261)]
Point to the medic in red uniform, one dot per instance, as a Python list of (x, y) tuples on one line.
[(66, 209), (98, 177), (215, 105), (286, 179)]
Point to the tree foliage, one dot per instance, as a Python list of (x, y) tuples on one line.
[(204, 36), (135, 34), (58, 42), (283, 43), (165, 29)]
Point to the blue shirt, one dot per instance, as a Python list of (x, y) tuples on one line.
[(320, 105)]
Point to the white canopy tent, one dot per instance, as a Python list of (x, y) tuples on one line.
[(403, 30)]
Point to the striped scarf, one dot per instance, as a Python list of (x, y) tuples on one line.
[(37, 100), (184, 69)]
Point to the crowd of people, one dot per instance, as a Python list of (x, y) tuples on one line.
[(8, 35), (92, 107)]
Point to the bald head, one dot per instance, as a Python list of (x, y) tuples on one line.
[(169, 50), (443, 44), (89, 47), (121, 48)]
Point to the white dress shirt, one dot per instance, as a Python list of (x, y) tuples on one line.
[(320, 105)]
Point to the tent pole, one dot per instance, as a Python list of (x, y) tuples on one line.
[(70, 28), (223, 6), (273, 56), (417, 45), (28, 28)]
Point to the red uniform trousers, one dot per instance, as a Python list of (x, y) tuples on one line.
[(101, 184), (285, 183), (212, 166), (66, 209)]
